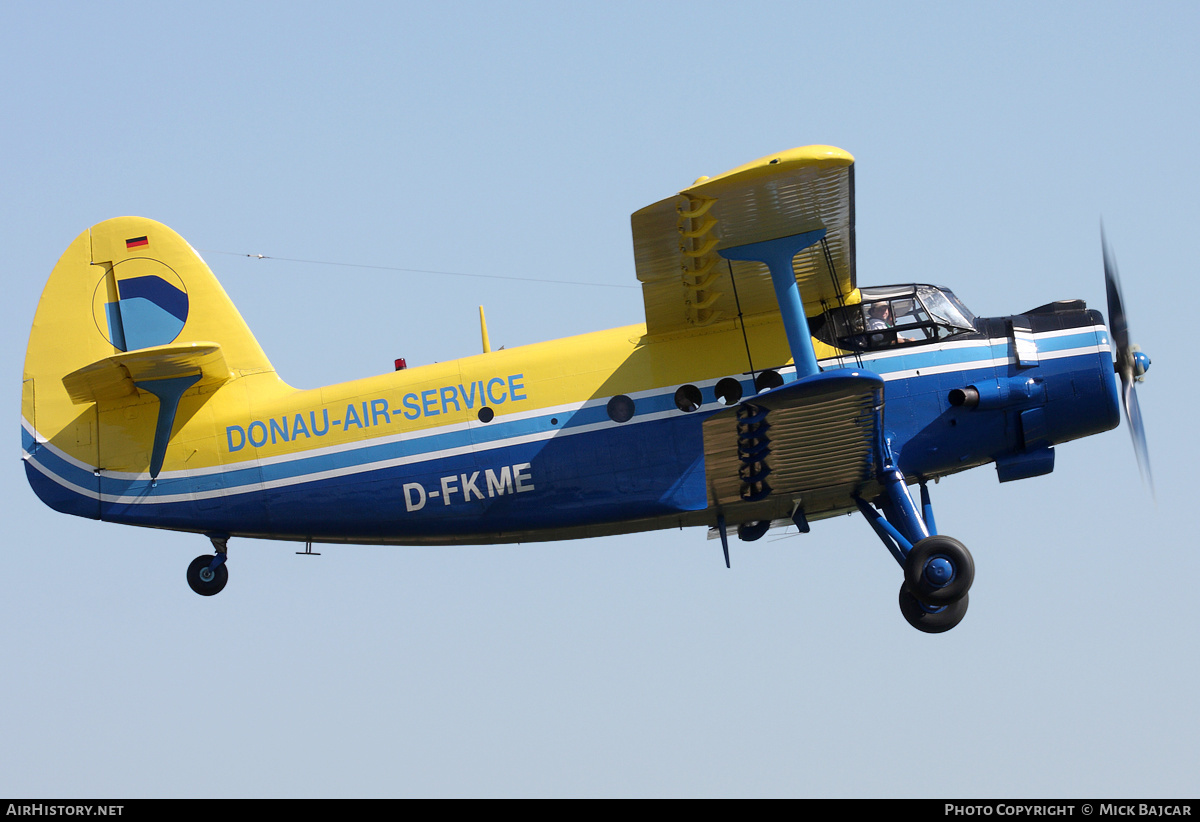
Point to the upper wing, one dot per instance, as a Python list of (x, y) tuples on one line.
[(686, 284)]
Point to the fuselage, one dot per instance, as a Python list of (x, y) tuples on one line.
[(586, 436)]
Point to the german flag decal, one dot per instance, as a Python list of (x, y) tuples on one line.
[(136, 242)]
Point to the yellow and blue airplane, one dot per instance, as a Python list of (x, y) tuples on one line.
[(764, 387)]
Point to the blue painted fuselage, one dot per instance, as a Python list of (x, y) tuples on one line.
[(572, 470)]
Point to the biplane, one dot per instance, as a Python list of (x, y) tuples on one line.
[(765, 388)]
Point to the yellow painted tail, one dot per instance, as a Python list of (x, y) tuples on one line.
[(130, 313)]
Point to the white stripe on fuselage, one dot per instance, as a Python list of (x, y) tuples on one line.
[(876, 363)]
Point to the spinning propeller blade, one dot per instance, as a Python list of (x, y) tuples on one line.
[(1131, 362)]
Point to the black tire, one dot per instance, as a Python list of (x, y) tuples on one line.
[(931, 548), (206, 587), (936, 622), (750, 531)]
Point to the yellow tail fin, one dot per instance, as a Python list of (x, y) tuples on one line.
[(131, 314)]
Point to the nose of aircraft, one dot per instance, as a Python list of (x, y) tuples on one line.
[(1141, 364)]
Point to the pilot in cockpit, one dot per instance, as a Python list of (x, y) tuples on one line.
[(879, 318)]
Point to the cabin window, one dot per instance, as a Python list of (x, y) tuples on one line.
[(688, 398), (728, 391), (620, 408), (894, 316), (766, 380)]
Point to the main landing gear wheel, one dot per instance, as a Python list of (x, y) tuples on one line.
[(931, 620), (204, 579), (938, 571)]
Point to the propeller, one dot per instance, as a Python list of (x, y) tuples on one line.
[(1132, 364)]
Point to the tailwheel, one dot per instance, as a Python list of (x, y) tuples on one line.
[(204, 579), (939, 571), (931, 619)]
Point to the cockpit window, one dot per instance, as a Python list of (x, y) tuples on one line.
[(946, 308), (895, 316)]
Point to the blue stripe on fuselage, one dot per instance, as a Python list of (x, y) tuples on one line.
[(584, 468)]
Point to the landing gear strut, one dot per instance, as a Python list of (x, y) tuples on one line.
[(938, 570), (207, 574)]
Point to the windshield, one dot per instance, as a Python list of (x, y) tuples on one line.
[(895, 316), (946, 308)]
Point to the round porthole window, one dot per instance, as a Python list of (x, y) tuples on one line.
[(620, 408), (688, 398), (767, 380), (728, 391)]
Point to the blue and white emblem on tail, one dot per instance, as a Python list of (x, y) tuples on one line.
[(140, 303)]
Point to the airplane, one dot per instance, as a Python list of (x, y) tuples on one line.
[(764, 388)]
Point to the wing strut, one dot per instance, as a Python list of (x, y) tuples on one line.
[(777, 255)]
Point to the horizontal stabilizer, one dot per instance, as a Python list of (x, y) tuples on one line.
[(115, 377)]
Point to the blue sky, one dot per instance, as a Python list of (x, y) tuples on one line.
[(515, 140)]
